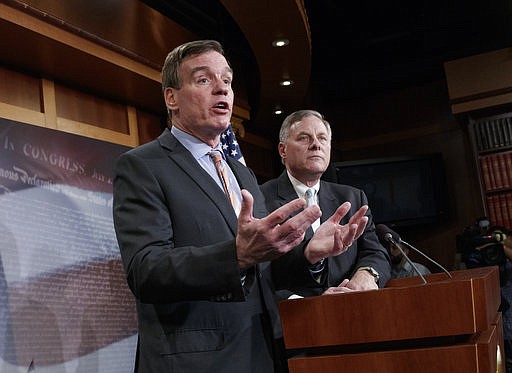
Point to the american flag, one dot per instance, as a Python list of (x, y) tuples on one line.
[(230, 146)]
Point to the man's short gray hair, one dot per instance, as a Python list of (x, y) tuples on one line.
[(297, 116)]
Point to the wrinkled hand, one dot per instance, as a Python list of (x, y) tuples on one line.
[(331, 238), (260, 240), (361, 281)]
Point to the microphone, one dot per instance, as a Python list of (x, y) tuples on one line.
[(388, 235)]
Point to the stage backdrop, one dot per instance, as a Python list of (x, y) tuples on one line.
[(64, 303)]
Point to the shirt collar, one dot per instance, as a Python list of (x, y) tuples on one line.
[(301, 188), (193, 144), (407, 267)]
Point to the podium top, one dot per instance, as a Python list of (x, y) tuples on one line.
[(405, 309)]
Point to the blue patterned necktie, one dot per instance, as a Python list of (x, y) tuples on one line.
[(310, 197)]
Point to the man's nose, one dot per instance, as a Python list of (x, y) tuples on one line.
[(315, 143), (220, 87)]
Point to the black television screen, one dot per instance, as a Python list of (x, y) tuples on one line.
[(402, 191)]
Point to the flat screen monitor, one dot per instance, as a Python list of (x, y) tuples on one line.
[(402, 191)]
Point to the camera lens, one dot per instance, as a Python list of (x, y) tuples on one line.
[(493, 255)]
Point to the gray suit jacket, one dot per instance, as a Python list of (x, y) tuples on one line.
[(365, 251), (176, 232)]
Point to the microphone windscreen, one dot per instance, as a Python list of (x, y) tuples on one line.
[(382, 229)]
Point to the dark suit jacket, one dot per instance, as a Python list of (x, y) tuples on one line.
[(176, 232), (365, 251)]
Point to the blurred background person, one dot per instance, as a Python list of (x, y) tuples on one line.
[(483, 245), (400, 267)]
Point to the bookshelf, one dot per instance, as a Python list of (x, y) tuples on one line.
[(492, 142)]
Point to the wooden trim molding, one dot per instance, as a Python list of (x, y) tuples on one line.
[(133, 126), (52, 32), (481, 81), (20, 114), (87, 130), (49, 103)]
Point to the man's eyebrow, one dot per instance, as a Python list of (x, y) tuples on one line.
[(199, 68), (303, 133), (206, 68)]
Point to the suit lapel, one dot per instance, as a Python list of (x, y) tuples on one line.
[(286, 193), (242, 181), (329, 202), (184, 159)]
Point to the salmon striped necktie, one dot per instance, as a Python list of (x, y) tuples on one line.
[(220, 166)]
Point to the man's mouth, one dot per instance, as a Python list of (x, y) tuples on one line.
[(221, 105)]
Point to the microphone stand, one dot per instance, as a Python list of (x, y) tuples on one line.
[(426, 257), (394, 243)]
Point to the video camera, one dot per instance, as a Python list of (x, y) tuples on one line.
[(481, 245)]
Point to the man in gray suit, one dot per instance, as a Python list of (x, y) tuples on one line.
[(304, 147), (197, 264)]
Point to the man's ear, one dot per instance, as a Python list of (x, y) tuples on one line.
[(170, 101), (282, 150)]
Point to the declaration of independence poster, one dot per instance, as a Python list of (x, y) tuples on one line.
[(64, 302)]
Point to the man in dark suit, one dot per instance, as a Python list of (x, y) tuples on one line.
[(196, 261), (304, 147)]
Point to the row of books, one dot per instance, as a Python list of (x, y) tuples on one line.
[(494, 133), (497, 170), (499, 208)]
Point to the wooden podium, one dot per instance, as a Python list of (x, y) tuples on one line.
[(446, 325)]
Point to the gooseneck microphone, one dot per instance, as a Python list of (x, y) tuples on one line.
[(385, 234), (388, 235)]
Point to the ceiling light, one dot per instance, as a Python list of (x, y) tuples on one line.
[(278, 111), (286, 82), (280, 42)]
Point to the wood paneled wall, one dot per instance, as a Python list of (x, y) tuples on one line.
[(43, 103), (480, 82)]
